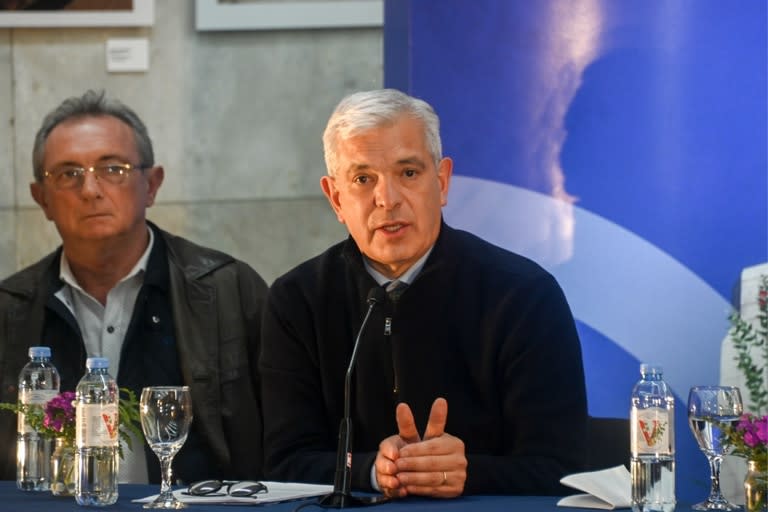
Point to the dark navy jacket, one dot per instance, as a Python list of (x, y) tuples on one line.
[(487, 329)]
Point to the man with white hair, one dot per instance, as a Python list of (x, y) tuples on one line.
[(469, 376)]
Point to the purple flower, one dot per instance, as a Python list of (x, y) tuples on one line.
[(53, 423), (60, 413), (751, 439), (745, 423), (761, 430), (750, 436)]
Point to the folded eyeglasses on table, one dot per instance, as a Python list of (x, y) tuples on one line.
[(235, 488)]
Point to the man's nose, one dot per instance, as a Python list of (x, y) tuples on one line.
[(90, 184), (387, 193)]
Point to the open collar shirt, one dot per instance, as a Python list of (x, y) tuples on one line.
[(104, 326), (407, 277)]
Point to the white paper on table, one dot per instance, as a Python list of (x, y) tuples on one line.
[(606, 489), (276, 492)]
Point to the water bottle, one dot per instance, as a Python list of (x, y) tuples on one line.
[(652, 442), (96, 416), (38, 383)]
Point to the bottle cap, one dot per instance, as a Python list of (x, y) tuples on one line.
[(96, 363), (39, 351), (650, 369)]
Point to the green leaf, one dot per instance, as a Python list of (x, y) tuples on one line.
[(745, 338)]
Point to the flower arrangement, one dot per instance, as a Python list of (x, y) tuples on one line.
[(57, 418), (749, 438)]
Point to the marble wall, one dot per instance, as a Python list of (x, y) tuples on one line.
[(236, 119)]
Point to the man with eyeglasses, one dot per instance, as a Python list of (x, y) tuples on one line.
[(163, 310)]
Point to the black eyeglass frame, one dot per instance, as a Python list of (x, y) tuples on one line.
[(234, 488)]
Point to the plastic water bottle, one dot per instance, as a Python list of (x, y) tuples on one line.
[(652, 442), (38, 383), (96, 458)]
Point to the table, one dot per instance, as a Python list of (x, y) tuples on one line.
[(11, 499)]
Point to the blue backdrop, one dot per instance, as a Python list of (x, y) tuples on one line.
[(622, 145)]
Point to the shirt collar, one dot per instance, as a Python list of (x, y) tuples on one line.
[(66, 275), (407, 277)]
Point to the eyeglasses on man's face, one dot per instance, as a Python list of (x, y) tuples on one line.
[(72, 176), (235, 488)]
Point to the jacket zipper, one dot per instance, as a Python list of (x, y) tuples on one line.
[(388, 334)]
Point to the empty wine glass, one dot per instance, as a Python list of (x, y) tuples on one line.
[(166, 414), (710, 408)]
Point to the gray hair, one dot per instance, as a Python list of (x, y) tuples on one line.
[(370, 109), (91, 104)]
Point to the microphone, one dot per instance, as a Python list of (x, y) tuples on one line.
[(341, 497)]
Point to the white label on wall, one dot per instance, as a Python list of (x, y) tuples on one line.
[(128, 55)]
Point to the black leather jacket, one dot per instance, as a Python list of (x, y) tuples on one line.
[(216, 303)]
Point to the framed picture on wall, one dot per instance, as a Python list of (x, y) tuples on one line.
[(76, 13), (287, 14)]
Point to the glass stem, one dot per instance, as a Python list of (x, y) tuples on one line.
[(714, 467), (165, 472)]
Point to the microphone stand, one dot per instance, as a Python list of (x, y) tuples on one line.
[(342, 497)]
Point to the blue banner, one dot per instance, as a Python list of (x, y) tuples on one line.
[(622, 145)]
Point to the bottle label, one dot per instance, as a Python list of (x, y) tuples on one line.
[(650, 429), (32, 397), (96, 425)]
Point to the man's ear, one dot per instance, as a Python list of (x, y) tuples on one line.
[(155, 176), (444, 173), (328, 184), (37, 190)]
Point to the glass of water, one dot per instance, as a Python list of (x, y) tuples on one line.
[(710, 408), (166, 415)]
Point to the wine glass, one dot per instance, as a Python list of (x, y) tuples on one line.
[(166, 414), (710, 409)]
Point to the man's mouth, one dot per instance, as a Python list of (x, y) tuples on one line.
[(392, 228)]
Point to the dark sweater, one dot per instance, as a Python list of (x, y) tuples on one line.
[(487, 329)]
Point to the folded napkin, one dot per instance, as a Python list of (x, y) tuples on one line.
[(607, 489), (276, 492)]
